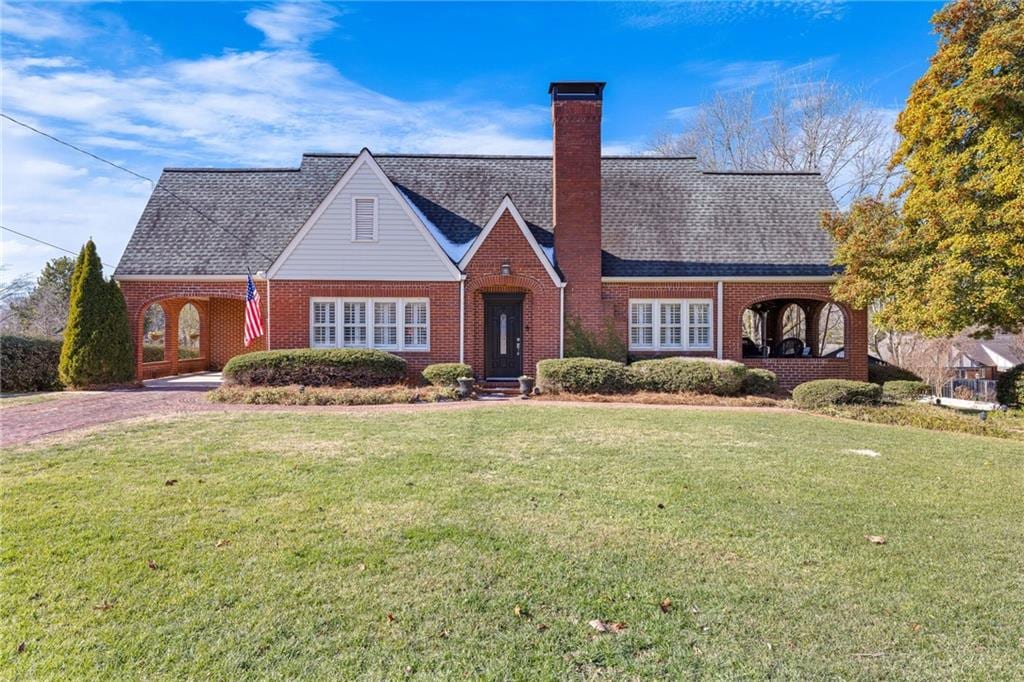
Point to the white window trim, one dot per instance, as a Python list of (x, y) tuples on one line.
[(312, 318), (339, 318), (656, 304), (376, 219)]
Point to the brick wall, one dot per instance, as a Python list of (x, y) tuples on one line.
[(738, 296), (577, 206), (221, 310), (616, 307), (289, 308), (792, 371), (541, 301)]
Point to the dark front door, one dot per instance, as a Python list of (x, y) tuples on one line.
[(503, 336)]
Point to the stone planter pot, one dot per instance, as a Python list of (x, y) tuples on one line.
[(526, 385), (465, 387)]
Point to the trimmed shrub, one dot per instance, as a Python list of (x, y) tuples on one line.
[(28, 364), (759, 381), (97, 348), (446, 373), (905, 391), (360, 367), (152, 352), (583, 375), (881, 374), (1010, 387), (824, 392), (925, 416), (689, 375)]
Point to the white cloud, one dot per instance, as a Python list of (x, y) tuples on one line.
[(654, 15), (33, 22), (293, 24), (259, 107)]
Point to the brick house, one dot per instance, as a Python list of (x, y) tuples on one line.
[(488, 259)]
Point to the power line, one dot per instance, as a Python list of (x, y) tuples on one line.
[(152, 182), (52, 246)]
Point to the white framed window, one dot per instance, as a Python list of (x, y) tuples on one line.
[(417, 324), (670, 324), (387, 323), (364, 219), (353, 323), (323, 324), (698, 324)]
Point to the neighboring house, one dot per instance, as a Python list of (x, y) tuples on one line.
[(985, 358), (488, 259)]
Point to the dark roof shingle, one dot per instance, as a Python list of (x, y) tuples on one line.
[(661, 216)]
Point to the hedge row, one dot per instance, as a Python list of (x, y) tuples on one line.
[(28, 364), (905, 391), (348, 367), (670, 375), (882, 374)]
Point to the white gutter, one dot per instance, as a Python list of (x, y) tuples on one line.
[(462, 319), (718, 318), (561, 321), (780, 278)]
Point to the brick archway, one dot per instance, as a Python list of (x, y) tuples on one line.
[(540, 318), (221, 307)]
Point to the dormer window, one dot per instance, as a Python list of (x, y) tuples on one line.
[(364, 219)]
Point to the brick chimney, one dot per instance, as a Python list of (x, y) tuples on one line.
[(576, 160)]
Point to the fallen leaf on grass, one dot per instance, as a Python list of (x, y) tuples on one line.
[(541, 627), (103, 606), (875, 539), (521, 612), (444, 634), (361, 567), (171, 481), (222, 543), (916, 627), (614, 627), (152, 566), (666, 605), (391, 618), (21, 648)]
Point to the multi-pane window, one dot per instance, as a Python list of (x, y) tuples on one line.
[(699, 324), (416, 323), (641, 324), (353, 323), (324, 324), (385, 324), (392, 323), (669, 325), (670, 331)]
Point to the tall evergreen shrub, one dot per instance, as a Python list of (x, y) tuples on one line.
[(97, 348)]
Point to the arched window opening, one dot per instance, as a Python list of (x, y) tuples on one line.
[(793, 331), (154, 329), (188, 333), (831, 331)]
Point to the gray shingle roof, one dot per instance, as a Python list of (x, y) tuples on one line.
[(661, 216)]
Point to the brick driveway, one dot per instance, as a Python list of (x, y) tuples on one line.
[(73, 411)]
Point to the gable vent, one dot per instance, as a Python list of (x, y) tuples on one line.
[(364, 219)]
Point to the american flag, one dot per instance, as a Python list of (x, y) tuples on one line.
[(253, 315)]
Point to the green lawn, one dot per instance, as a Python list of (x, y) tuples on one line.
[(480, 543)]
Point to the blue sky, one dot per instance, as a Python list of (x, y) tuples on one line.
[(151, 85)]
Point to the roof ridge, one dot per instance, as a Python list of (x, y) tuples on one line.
[(513, 157), (759, 172), (209, 169)]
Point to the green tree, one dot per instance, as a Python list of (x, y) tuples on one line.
[(45, 310), (951, 256), (97, 348)]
